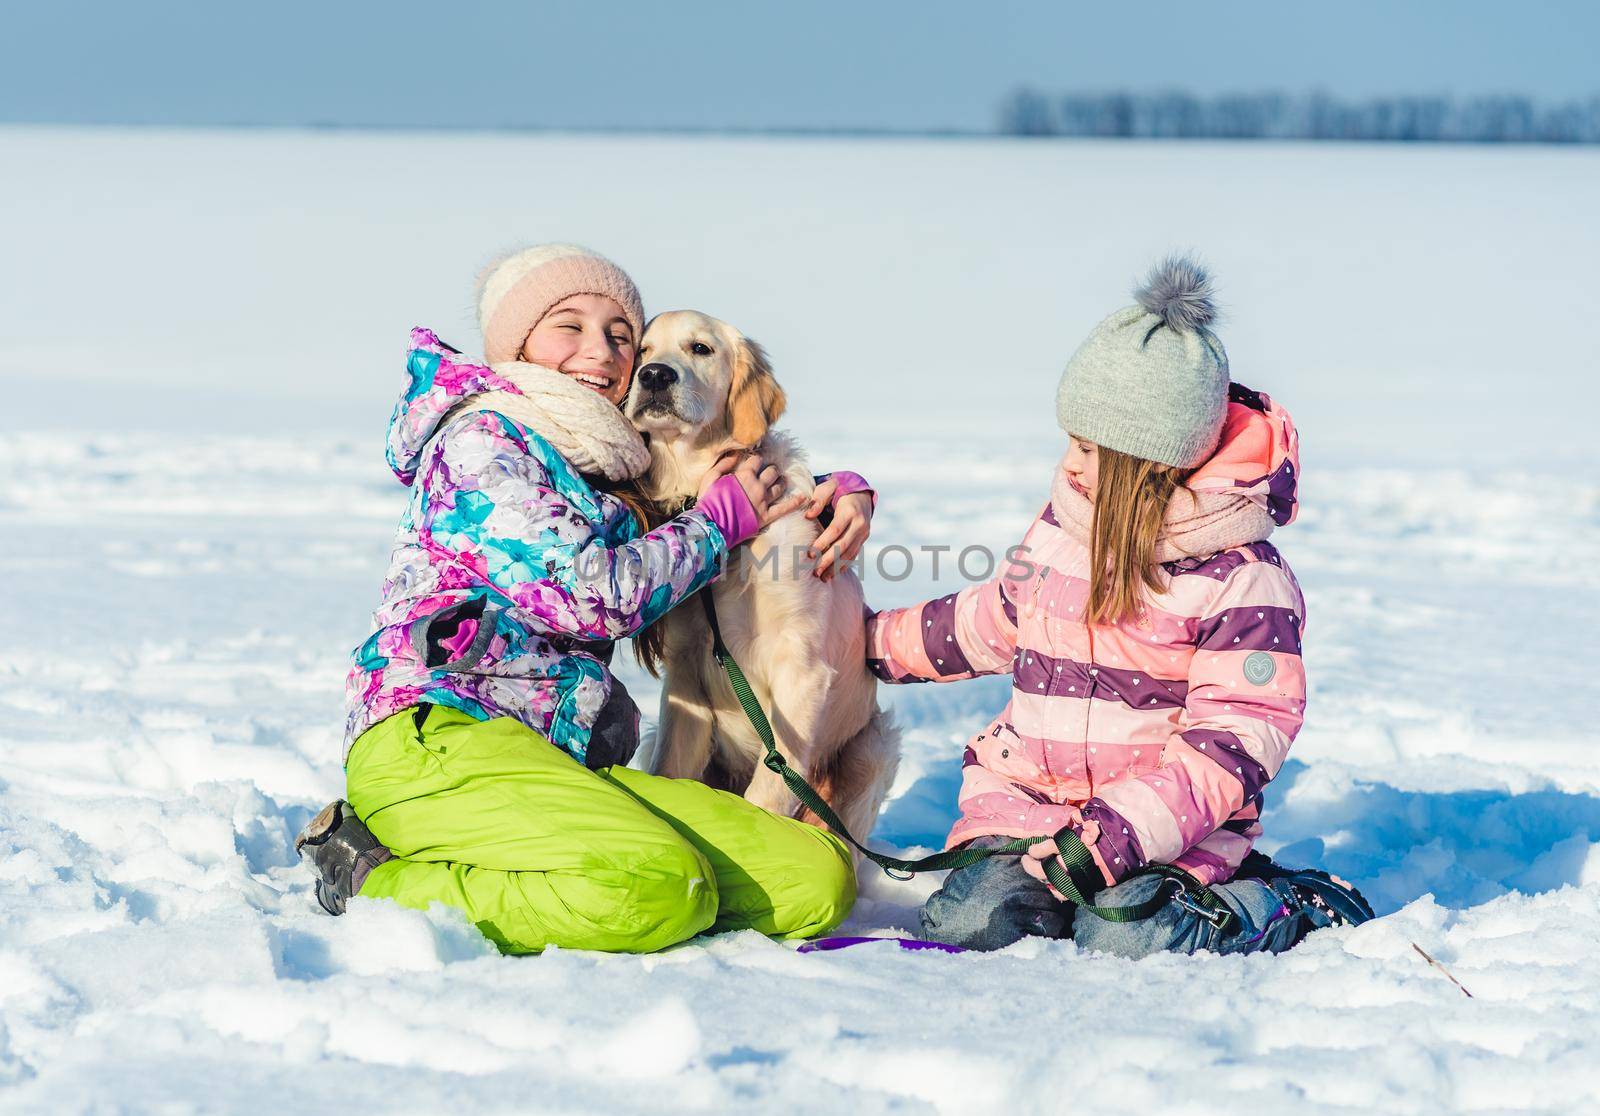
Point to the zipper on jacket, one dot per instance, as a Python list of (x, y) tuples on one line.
[(1088, 709), (1051, 684)]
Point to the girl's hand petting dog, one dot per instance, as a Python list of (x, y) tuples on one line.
[(843, 537), (762, 483)]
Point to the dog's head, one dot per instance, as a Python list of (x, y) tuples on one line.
[(700, 378)]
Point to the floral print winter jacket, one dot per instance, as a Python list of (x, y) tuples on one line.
[(1152, 738), (510, 574)]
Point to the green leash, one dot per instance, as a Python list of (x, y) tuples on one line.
[(1073, 873)]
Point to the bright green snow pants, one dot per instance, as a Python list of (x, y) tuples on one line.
[(490, 818)]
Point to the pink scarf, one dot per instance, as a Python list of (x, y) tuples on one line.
[(1198, 524)]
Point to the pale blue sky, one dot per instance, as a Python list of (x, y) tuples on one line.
[(925, 65)]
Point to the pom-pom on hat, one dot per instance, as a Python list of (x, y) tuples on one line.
[(517, 290), (1152, 379)]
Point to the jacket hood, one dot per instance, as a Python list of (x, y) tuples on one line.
[(1244, 490), (436, 383), (1258, 456)]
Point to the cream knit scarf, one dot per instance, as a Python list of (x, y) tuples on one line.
[(588, 431), (1198, 524)]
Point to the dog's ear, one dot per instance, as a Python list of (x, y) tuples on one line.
[(754, 400)]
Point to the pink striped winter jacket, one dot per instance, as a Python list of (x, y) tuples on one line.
[(1152, 737)]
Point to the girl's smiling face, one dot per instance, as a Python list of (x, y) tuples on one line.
[(588, 338), (1082, 466)]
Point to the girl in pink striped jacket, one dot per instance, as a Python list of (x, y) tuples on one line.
[(1150, 705)]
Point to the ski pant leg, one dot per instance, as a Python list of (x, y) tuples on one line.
[(776, 875), (991, 904), (1267, 919), (490, 818)]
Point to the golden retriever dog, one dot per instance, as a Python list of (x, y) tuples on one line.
[(702, 389)]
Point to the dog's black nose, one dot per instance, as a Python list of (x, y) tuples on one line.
[(656, 377)]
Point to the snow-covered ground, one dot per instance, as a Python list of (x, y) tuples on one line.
[(201, 332)]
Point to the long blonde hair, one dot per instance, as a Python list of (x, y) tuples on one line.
[(1130, 507)]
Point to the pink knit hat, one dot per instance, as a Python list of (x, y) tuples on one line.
[(518, 290)]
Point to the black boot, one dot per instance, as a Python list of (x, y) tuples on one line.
[(342, 850), (1338, 903), (1315, 895)]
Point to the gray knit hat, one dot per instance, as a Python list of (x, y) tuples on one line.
[(1152, 380)]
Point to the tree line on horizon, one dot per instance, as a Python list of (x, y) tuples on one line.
[(1313, 116)]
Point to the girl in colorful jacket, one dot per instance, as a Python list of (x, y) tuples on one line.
[(1153, 638), (486, 735)]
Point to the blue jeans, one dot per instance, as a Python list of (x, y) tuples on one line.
[(993, 903)]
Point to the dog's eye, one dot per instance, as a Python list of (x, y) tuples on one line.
[(700, 348)]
